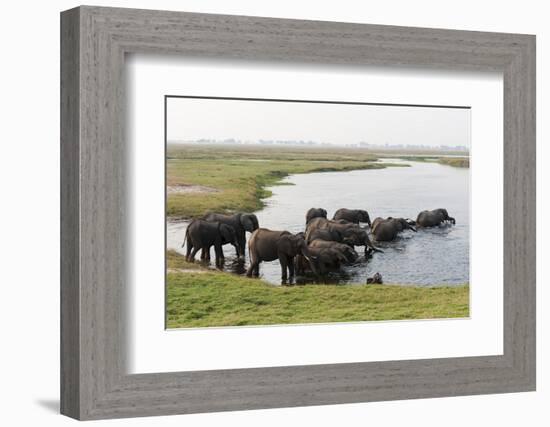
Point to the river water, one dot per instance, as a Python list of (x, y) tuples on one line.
[(435, 256)]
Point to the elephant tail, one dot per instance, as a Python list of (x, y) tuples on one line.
[(186, 234)]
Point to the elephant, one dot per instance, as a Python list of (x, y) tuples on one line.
[(317, 223), (315, 213), (343, 221), (269, 245), (375, 280), (351, 234), (204, 234), (321, 260), (433, 218), (356, 236), (348, 252), (352, 215), (241, 223), (323, 234), (385, 230)]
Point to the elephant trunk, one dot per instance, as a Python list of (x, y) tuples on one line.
[(342, 258), (313, 266), (310, 258), (368, 244)]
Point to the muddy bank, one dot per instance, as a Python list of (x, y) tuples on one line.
[(190, 189)]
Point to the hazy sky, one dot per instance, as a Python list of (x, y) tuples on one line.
[(192, 119)]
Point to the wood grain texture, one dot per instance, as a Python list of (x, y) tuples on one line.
[(94, 232), (70, 291)]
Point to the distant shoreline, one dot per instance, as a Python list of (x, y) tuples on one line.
[(328, 147)]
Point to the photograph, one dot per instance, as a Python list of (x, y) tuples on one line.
[(282, 211)]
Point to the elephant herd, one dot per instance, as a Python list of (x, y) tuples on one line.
[(325, 245)]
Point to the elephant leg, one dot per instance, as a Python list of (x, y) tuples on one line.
[(290, 261), (242, 245), (241, 258), (193, 253), (283, 260), (253, 268), (219, 254), (189, 248)]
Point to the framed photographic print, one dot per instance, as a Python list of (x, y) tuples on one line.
[(262, 213)]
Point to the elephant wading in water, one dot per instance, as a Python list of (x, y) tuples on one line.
[(315, 213), (352, 215), (433, 218), (203, 234), (321, 260), (241, 223), (323, 234), (346, 250), (351, 234), (385, 230), (269, 245)]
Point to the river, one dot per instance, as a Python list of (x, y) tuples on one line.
[(435, 256)]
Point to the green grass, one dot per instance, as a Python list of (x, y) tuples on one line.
[(203, 297), (240, 174), (457, 162)]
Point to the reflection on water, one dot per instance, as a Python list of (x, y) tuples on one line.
[(431, 256)]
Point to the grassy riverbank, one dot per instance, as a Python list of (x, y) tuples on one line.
[(457, 162), (234, 178), (198, 297)]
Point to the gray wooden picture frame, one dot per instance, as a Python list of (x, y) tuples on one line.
[(94, 381)]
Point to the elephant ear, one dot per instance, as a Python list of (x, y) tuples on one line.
[(255, 222), (301, 245), (247, 222)]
